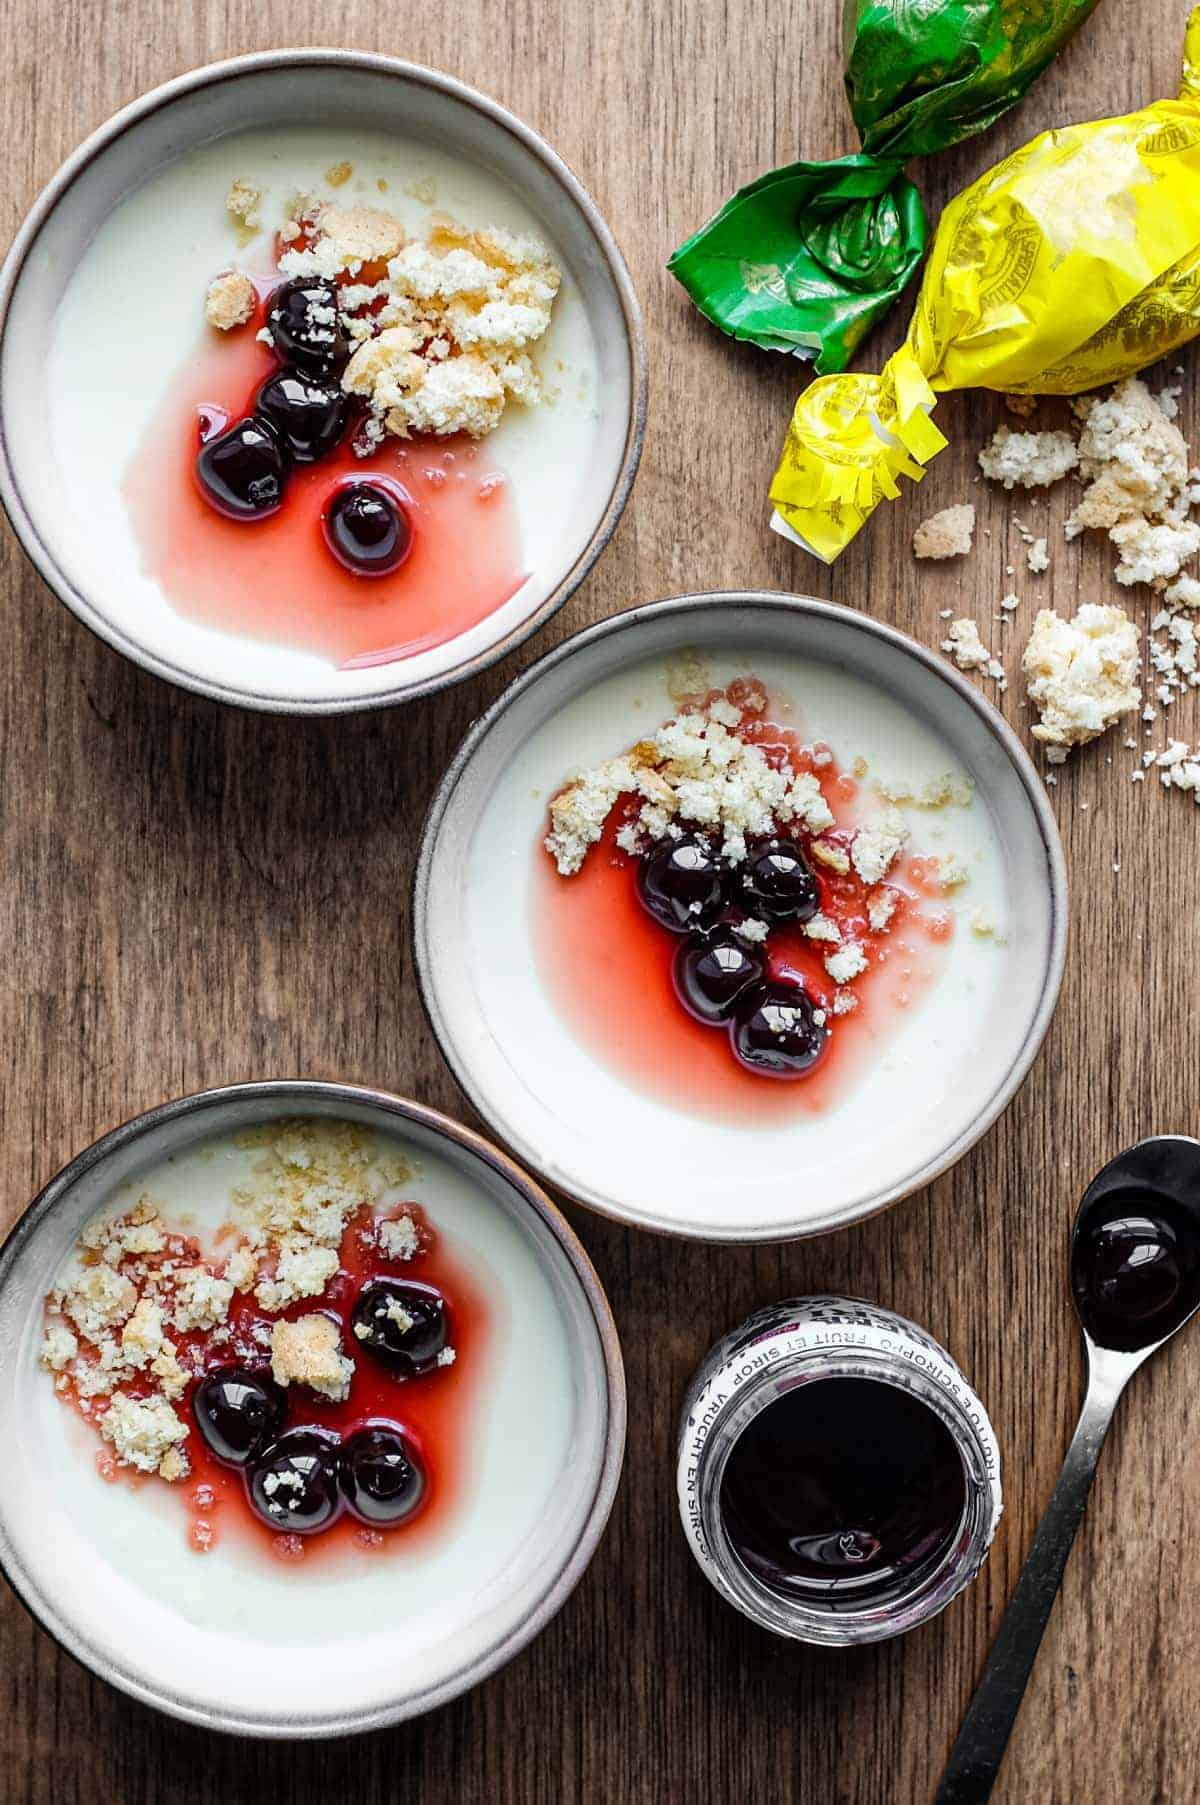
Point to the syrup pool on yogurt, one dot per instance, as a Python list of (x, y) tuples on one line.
[(124, 425), (642, 950), (489, 1430), (589, 973)]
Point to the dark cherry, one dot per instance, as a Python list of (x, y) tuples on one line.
[(366, 530), (382, 1480), (304, 322), (682, 883), (293, 1484), (712, 970), (238, 1411), (773, 1030), (307, 412), (403, 1325), (242, 472), (777, 882)]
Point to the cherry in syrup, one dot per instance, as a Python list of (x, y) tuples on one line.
[(366, 529), (682, 883), (712, 971), (293, 1484), (307, 412), (306, 327), (238, 1410), (777, 882), (774, 1030), (381, 1478), (243, 470), (403, 1324)]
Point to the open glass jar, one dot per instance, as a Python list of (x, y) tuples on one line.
[(839, 1480)]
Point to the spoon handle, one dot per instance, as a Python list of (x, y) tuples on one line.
[(979, 1748)]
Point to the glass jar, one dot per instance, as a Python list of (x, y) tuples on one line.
[(791, 1344)]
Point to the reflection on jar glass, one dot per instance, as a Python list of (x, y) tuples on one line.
[(839, 1480)]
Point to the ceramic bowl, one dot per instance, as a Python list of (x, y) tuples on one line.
[(106, 1569), (77, 530), (576, 1115)]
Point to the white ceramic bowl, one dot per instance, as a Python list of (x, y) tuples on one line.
[(107, 1572), (80, 539), (594, 1133)]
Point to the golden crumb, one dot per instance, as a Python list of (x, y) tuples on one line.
[(230, 300), (1021, 405), (338, 174), (948, 534)]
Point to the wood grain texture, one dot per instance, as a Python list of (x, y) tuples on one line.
[(193, 895)]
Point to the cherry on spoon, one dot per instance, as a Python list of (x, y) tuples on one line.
[(1135, 1278)]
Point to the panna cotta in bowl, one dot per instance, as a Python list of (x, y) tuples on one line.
[(315, 1403), (740, 916), (371, 388)]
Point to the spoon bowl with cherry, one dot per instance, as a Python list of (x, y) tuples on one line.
[(1135, 1279)]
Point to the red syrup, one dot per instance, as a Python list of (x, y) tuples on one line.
[(607, 965), (436, 1412), (275, 579)]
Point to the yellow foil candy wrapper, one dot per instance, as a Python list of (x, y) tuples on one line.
[(1072, 263)]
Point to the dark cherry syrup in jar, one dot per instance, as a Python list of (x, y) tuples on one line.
[(843, 1486)]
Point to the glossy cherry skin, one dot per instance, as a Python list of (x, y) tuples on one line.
[(305, 325), (293, 1484), (403, 1324), (381, 1478), (777, 884), (711, 971), (243, 471), (308, 413), (238, 1411), (682, 883), (367, 530), (774, 1032)]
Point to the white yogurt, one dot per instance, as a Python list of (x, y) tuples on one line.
[(518, 1443), (132, 313)]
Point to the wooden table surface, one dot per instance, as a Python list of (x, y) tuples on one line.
[(193, 895)]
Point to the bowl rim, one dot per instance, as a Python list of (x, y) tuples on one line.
[(781, 602), (294, 1092), (127, 119)]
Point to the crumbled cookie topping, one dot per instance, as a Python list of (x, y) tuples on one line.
[(308, 1352), (244, 202), (122, 1324), (230, 301), (696, 770), (443, 326)]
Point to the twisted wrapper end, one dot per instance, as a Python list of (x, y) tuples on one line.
[(807, 258), (850, 440)]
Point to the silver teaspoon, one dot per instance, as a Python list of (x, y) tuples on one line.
[(1135, 1278)]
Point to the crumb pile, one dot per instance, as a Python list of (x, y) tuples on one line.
[(128, 1328), (442, 325), (1134, 460), (1082, 675)]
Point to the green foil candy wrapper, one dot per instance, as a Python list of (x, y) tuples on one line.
[(808, 258)]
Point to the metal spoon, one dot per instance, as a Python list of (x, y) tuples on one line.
[(1135, 1278)]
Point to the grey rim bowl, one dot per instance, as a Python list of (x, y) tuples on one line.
[(453, 1141), (434, 948), (128, 119)]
